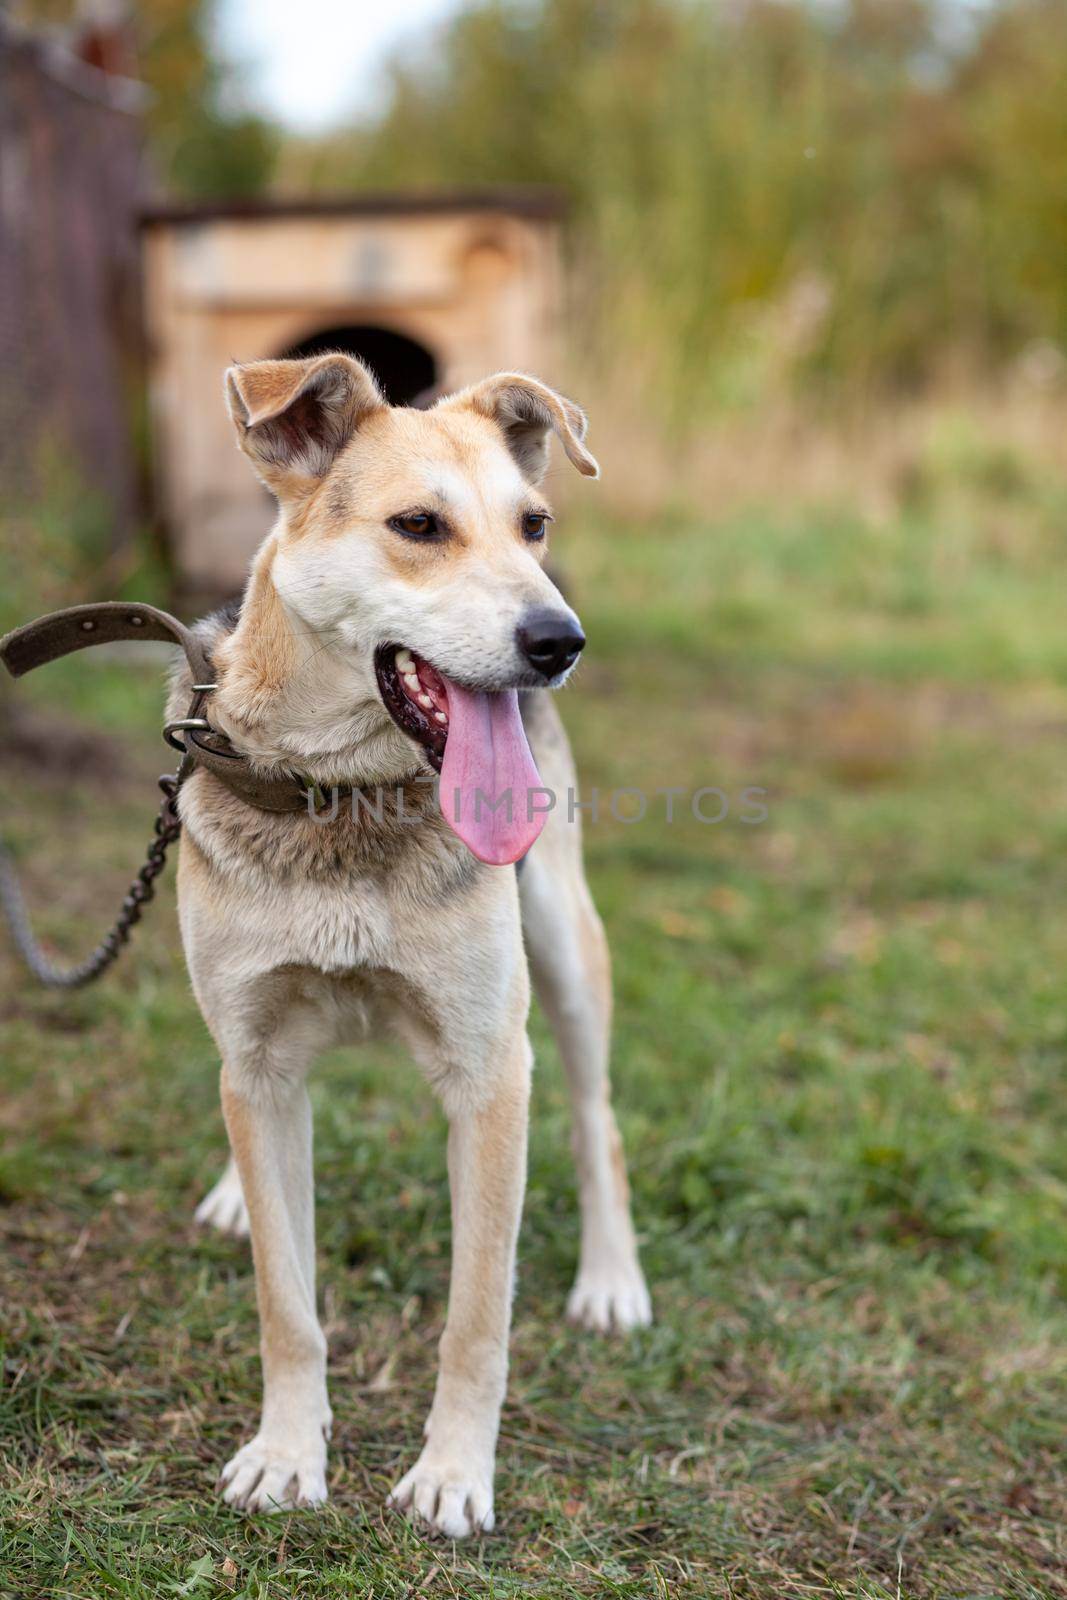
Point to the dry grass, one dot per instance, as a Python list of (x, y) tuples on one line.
[(872, 459)]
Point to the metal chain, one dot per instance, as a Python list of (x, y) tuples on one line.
[(167, 828)]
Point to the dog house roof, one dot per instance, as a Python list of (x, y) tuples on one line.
[(540, 203)]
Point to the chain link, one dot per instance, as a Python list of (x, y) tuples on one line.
[(143, 888)]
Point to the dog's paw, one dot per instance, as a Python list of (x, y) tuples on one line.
[(266, 1477), (223, 1207), (450, 1498), (610, 1299)]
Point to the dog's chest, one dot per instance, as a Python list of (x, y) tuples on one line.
[(334, 896), (333, 928)]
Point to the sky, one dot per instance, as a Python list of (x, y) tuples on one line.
[(311, 63)]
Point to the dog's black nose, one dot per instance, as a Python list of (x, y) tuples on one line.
[(551, 642)]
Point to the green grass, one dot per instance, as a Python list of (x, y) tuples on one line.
[(840, 1062)]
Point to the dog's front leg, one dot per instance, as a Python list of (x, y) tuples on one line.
[(268, 1117), (450, 1487)]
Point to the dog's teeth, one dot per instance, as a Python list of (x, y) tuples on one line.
[(425, 701), (439, 716), (411, 681), (404, 661)]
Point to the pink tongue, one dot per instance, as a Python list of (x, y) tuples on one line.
[(488, 765)]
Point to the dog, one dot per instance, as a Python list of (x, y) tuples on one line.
[(396, 643)]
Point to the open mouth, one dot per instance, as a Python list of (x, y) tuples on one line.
[(416, 698), (490, 792)]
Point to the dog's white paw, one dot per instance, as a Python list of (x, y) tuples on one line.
[(610, 1299), (451, 1498), (223, 1207), (264, 1476)]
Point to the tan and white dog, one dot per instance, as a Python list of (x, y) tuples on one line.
[(393, 619)]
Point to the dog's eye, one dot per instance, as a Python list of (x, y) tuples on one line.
[(416, 525), (533, 524)]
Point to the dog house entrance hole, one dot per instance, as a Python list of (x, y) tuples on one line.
[(404, 368)]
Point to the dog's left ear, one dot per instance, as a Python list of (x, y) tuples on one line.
[(527, 411), (292, 417)]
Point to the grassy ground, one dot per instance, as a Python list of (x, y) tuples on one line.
[(840, 1061)]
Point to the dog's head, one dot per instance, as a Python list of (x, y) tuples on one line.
[(414, 542)]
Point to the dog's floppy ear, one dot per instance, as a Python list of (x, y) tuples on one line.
[(527, 411), (292, 417)]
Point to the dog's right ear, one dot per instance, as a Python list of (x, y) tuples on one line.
[(527, 411), (292, 417)]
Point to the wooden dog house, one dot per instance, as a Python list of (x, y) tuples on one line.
[(432, 291)]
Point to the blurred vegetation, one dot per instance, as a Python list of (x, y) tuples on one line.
[(203, 139), (765, 194), (868, 192), (206, 142)]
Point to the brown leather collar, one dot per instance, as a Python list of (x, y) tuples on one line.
[(78, 627)]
